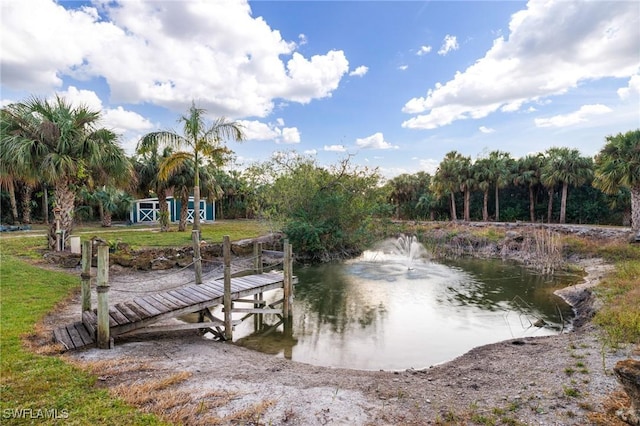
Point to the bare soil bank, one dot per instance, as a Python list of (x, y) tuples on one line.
[(558, 380)]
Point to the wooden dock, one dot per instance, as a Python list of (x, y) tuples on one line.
[(139, 314)]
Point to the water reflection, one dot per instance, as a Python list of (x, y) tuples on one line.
[(373, 313)]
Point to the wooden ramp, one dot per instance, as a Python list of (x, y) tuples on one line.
[(145, 310)]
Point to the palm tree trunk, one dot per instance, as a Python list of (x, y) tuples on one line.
[(101, 211), (485, 206), (184, 212), (12, 200), (65, 200), (497, 204), (164, 211), (532, 205), (26, 192), (196, 207), (454, 216), (635, 208), (550, 206), (563, 202), (45, 204), (107, 219), (467, 202)]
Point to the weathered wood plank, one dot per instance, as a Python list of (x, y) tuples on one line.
[(139, 310), (191, 296), (126, 311), (164, 301), (175, 300), (118, 316), (76, 339), (254, 301), (183, 297), (256, 311), (202, 293), (86, 337), (153, 311), (159, 307), (214, 287), (62, 336), (202, 289)]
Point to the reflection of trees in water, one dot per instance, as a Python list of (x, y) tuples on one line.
[(497, 285), (331, 299)]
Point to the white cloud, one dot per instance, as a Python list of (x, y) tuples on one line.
[(121, 120), (335, 148), (484, 129), (258, 131), (403, 67), (423, 50), (552, 47), (448, 44), (429, 165), (127, 124), (582, 115), (311, 152), (165, 53), (360, 71), (375, 141), (290, 135), (302, 39), (632, 88)]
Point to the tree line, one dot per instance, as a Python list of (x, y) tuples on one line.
[(58, 153)]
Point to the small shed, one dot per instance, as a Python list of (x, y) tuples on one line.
[(147, 210)]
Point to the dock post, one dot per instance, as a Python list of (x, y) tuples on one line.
[(287, 279), (85, 275), (104, 339), (197, 259), (226, 253), (257, 257)]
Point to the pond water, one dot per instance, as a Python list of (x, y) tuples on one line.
[(380, 312)]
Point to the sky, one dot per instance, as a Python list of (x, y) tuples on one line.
[(392, 85)]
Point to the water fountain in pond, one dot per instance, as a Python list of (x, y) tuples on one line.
[(405, 250)]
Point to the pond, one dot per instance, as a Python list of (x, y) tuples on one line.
[(377, 312)]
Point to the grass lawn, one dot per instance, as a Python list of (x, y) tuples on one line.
[(42, 389)]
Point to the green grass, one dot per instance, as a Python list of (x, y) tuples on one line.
[(47, 385), (32, 243)]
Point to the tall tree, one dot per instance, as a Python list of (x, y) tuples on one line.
[(148, 160), (527, 174), (618, 166), (64, 143), (483, 182), (500, 167), (567, 167), (204, 142), (447, 179)]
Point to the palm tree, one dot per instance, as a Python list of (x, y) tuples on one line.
[(63, 143), (451, 178), (618, 166), (182, 181), (148, 171), (500, 166), (567, 167), (483, 182), (528, 171), (203, 142), (12, 174)]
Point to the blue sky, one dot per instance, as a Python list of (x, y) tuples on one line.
[(396, 85)]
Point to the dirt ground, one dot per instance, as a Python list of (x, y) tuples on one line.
[(558, 380)]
